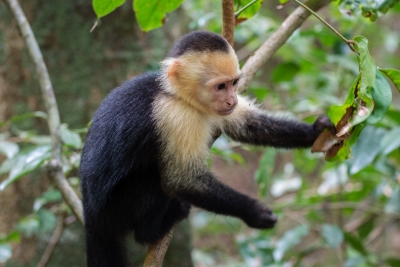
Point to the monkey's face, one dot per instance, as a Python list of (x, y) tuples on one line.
[(207, 80), (221, 81), (222, 94)]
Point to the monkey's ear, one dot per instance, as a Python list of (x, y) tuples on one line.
[(173, 70)]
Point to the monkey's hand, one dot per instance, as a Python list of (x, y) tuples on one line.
[(323, 122), (260, 217)]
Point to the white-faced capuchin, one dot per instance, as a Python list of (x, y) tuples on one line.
[(144, 159)]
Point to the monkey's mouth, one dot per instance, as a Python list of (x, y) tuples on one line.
[(226, 111)]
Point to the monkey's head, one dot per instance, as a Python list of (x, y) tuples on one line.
[(203, 70)]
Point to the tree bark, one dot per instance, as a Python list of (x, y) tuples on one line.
[(228, 21)]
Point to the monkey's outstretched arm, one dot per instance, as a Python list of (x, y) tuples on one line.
[(206, 192), (260, 128)]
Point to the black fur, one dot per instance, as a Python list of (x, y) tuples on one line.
[(266, 130), (120, 178), (210, 194), (200, 41)]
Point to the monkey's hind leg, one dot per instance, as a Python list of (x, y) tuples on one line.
[(156, 225), (105, 251)]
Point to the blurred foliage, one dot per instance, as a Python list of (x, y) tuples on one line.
[(26, 152), (151, 14), (369, 9), (331, 214)]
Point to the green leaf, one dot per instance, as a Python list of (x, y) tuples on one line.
[(290, 239), (47, 221), (5, 252), (150, 14), (105, 7), (394, 116), (382, 95), (28, 225), (363, 104), (393, 75), (13, 236), (38, 139), (285, 72), (332, 234), (355, 243), (366, 228), (70, 138), (336, 113), (249, 11), (24, 162), (51, 195), (390, 141), (366, 148), (366, 63), (9, 149), (264, 172), (36, 114), (38, 223)]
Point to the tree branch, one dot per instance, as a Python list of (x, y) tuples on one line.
[(53, 240), (277, 39), (69, 195), (156, 252), (228, 21)]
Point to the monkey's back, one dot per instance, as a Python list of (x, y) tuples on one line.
[(120, 147)]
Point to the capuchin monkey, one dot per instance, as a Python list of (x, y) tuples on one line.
[(144, 160)]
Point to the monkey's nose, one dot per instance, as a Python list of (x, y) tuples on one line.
[(231, 103)]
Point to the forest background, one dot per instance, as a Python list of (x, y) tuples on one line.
[(335, 214)]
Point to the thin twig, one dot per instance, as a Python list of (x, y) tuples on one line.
[(377, 232), (275, 41), (228, 21), (69, 195), (358, 222), (237, 14), (53, 241), (350, 43), (94, 25)]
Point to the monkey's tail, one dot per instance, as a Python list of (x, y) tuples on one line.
[(105, 251)]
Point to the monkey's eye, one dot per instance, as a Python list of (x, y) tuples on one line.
[(221, 86), (235, 81)]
